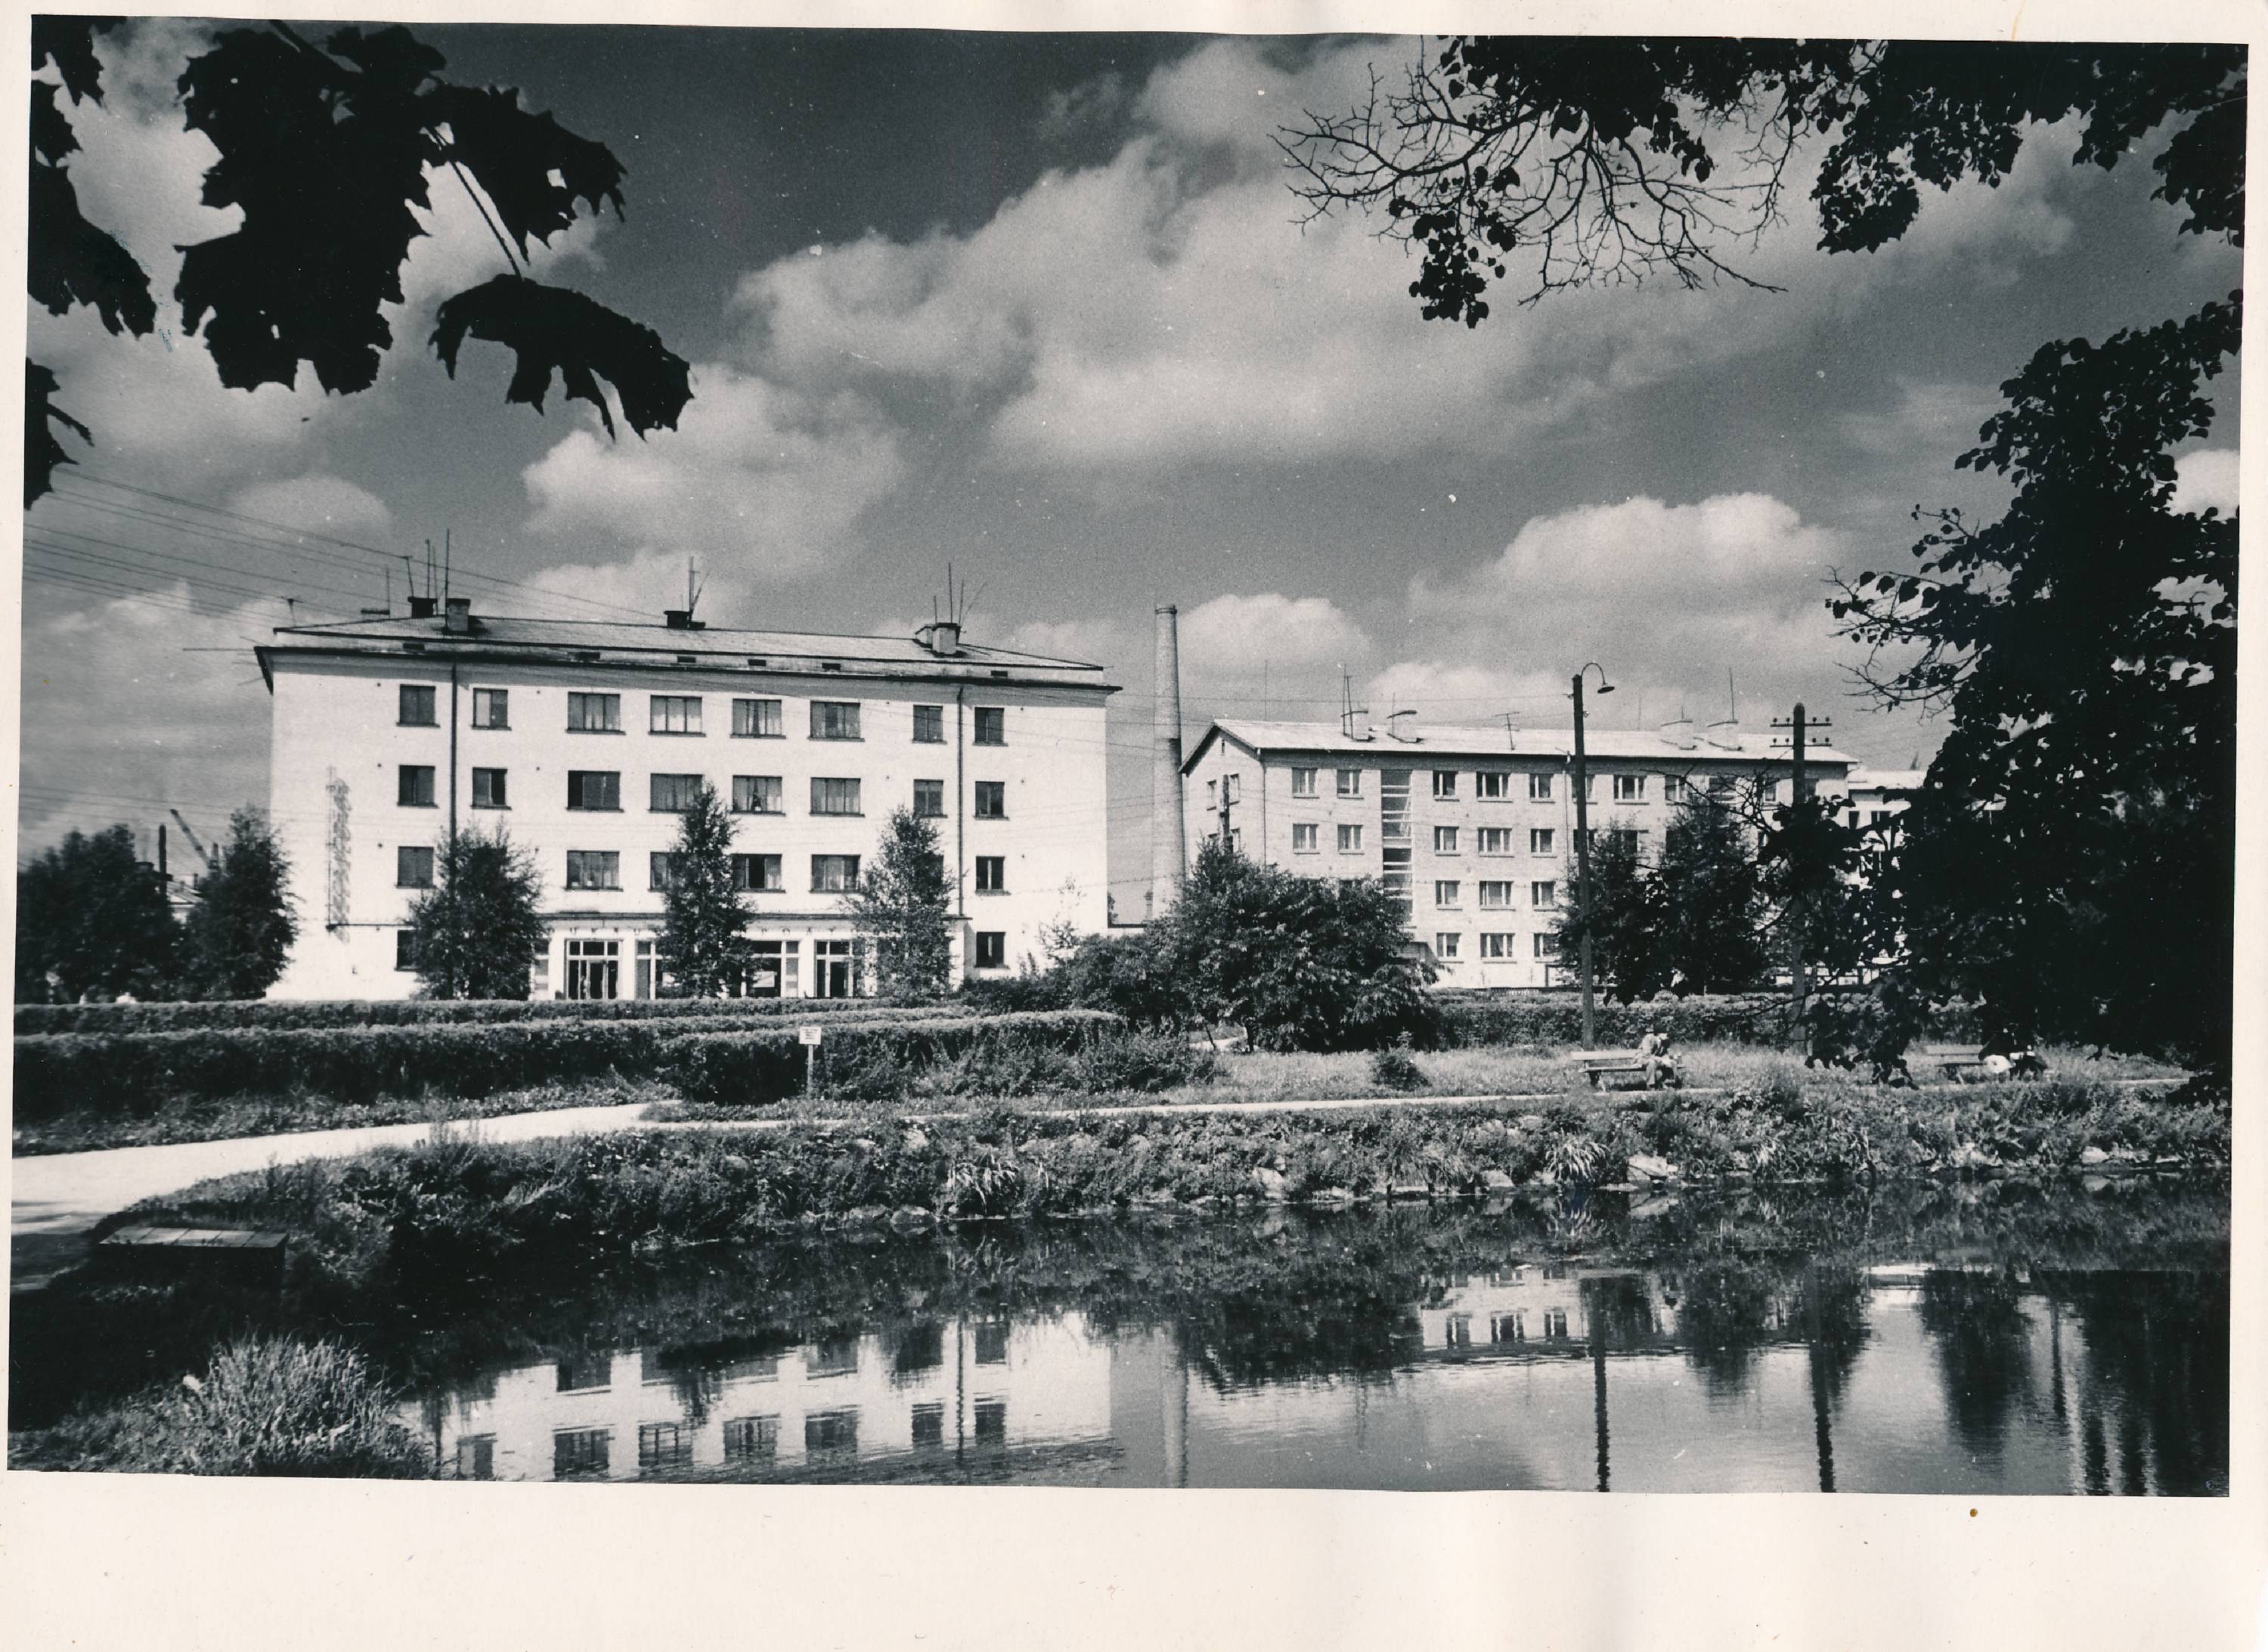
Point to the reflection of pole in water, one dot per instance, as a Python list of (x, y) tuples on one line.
[(1823, 1437), (1173, 1401), (1598, 1385)]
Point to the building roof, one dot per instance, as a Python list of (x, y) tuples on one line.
[(1885, 779), (1448, 740), (634, 643)]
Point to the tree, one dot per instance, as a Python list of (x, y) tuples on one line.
[(1614, 161), (1622, 911), (325, 150), (2069, 859), (93, 916), (1298, 963), (478, 930), (239, 937), (2069, 862), (703, 946), (1710, 901), (903, 907)]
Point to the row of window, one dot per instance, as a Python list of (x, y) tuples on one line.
[(594, 971), (1501, 945), (600, 789), (760, 874), (1307, 840), (584, 1453), (595, 713), (1542, 894), (1496, 785)]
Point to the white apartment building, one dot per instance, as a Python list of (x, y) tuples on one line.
[(1474, 827), (584, 740), (1872, 796)]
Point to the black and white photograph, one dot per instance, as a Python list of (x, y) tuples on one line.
[(909, 757)]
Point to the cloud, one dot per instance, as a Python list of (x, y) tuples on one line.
[(762, 483), (2207, 478), (1668, 597), (1933, 418), (1091, 642), (123, 716), (320, 503), (1227, 639)]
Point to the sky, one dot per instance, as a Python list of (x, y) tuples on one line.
[(1043, 308)]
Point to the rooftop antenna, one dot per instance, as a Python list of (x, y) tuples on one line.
[(408, 574), (389, 590), (447, 557), (1511, 730), (692, 591), (1732, 698)]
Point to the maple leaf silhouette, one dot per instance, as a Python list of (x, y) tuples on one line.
[(554, 329)]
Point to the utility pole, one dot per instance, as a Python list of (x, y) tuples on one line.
[(1798, 727), (1583, 846), (1228, 798)]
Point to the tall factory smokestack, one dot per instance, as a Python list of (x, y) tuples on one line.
[(1167, 848)]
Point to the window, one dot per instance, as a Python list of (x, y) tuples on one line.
[(1512, 1327), (491, 708), (991, 949), (488, 789), (834, 875), (751, 1439), (1457, 1331), (992, 1339), (991, 1420), (759, 872), (1445, 944), (1349, 783), (991, 799), (1625, 840), (1547, 945), (1539, 788), (1495, 897), (1303, 838), (833, 797), (1490, 788), (835, 719), (1303, 783), (1544, 895), (595, 789), (663, 1445), (413, 869), (831, 1356), (405, 949), (1496, 947), (593, 869), (835, 967), (1445, 892), (1541, 840), (662, 868), (1495, 840), (1212, 795), (831, 1431), (414, 789), (418, 705), (757, 720), (1629, 788), (580, 1453), (476, 1457), (595, 713), (991, 725), (929, 800), (1445, 840), (673, 713), (1445, 783), (1350, 840), (929, 724), (929, 1424), (672, 793), (991, 874), (594, 970), (758, 794)]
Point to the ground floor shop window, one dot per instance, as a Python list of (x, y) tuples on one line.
[(594, 969), (834, 969), (644, 981), (775, 968)]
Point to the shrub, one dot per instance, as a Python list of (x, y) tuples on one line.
[(266, 1405), (873, 1060), (1394, 1068)]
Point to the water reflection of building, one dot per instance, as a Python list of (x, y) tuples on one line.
[(931, 1387)]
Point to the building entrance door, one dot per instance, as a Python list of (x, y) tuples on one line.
[(594, 969), (833, 973)]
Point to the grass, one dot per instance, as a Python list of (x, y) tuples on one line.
[(222, 1118), (270, 1405)]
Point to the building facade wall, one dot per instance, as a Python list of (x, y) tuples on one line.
[(1492, 838), (340, 746)]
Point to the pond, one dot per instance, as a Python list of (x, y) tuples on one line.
[(1982, 1339)]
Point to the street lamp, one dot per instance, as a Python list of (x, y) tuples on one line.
[(1583, 842)]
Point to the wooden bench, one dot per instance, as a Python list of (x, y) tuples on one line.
[(1599, 1064), (1960, 1062), (244, 1254)]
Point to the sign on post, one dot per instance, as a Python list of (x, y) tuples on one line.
[(808, 1037)]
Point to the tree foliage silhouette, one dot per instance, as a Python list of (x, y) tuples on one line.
[(703, 946), (904, 910), (479, 930), (326, 149), (237, 938)]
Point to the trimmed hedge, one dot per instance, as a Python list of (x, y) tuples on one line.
[(110, 1073), (751, 1068), (32, 1019), (1468, 1021)]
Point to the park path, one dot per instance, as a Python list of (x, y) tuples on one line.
[(56, 1198)]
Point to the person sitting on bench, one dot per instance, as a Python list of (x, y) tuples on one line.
[(1660, 1064)]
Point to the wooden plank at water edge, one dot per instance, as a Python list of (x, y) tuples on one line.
[(254, 1256)]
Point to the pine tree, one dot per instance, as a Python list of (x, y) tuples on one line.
[(476, 933), (239, 937), (903, 907), (1711, 902), (1622, 911), (703, 948)]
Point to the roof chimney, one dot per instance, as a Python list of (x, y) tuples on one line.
[(1354, 722), (1168, 832), (678, 619), (458, 622), (1723, 733), (422, 608), (1402, 726), (941, 639), (1679, 732)]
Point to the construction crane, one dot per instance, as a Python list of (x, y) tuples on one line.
[(204, 853)]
